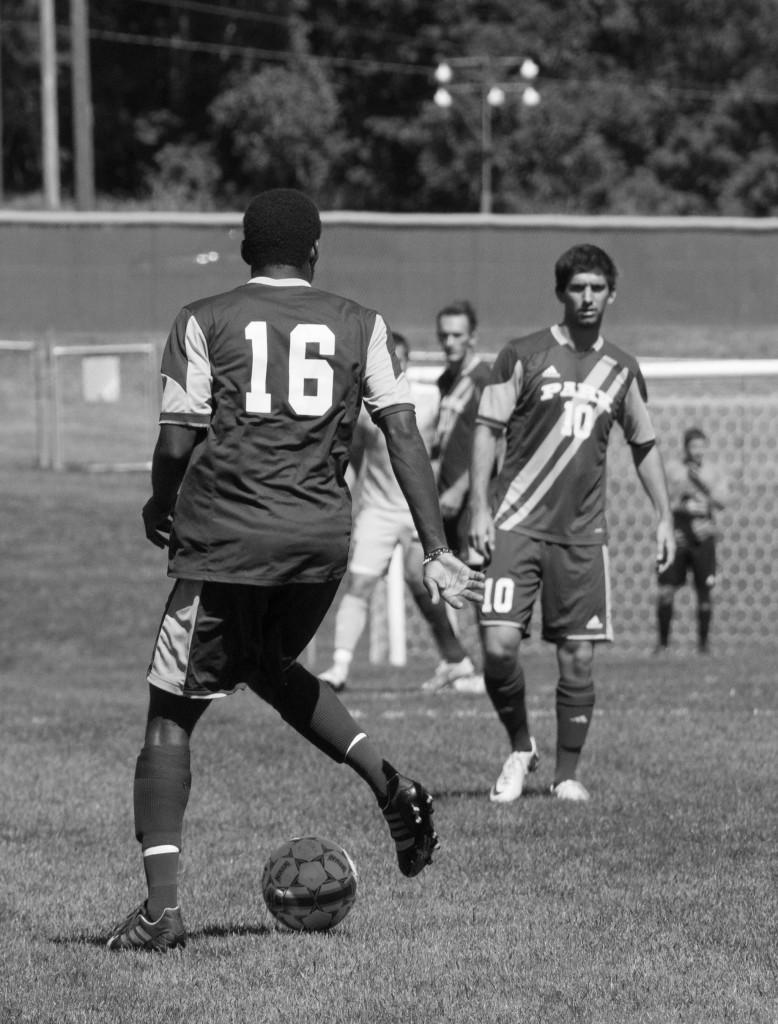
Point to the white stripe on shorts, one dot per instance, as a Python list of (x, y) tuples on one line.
[(174, 639)]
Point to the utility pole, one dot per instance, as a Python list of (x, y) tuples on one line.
[(2, 152), (81, 88), (49, 115), (487, 149)]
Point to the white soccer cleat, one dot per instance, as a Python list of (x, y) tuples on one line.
[(335, 676), (447, 673), (510, 783), (570, 789), (469, 684)]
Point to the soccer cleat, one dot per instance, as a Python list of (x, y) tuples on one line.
[(137, 932), (446, 675), (510, 782), (570, 789), (469, 684), (335, 676), (408, 812)]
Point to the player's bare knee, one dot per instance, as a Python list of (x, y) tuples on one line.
[(171, 719), (501, 650), (360, 585), (576, 660)]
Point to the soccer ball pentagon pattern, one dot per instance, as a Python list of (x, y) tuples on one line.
[(309, 884)]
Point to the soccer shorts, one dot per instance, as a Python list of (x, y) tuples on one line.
[(376, 533), (695, 557), (215, 638), (572, 580)]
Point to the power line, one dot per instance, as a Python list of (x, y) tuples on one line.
[(276, 19), (221, 49), (367, 65), (218, 10)]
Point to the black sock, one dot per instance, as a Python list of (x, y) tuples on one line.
[(574, 707), (507, 694), (704, 615), (162, 880), (160, 795), (316, 712), (664, 616)]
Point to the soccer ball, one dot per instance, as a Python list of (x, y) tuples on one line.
[(309, 884)]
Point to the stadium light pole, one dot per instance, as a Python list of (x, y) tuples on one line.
[(492, 94)]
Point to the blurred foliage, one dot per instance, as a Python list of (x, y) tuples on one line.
[(668, 107)]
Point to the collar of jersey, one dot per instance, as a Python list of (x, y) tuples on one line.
[(560, 337), (280, 282), (468, 365)]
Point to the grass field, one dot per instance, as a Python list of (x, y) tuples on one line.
[(654, 903)]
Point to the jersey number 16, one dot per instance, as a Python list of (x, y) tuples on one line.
[(302, 368)]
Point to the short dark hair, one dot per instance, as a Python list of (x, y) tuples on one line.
[(459, 307), (280, 227), (583, 259), (693, 434)]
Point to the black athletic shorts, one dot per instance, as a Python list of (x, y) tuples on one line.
[(217, 637)]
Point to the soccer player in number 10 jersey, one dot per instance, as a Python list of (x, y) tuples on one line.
[(555, 396), (262, 388)]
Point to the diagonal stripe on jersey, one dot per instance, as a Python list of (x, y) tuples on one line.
[(531, 485), (451, 407)]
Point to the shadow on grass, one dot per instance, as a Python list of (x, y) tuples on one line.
[(441, 795), (209, 932)]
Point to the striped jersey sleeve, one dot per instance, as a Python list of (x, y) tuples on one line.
[(186, 374), (501, 394), (386, 387)]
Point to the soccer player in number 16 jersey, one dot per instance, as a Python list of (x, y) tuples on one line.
[(262, 388), (555, 396)]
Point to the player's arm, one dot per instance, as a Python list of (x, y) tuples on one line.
[(486, 443), (172, 453), (651, 473), (184, 417), (444, 575)]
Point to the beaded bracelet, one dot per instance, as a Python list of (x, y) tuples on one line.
[(435, 553)]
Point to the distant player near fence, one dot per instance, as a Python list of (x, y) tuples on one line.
[(697, 492)]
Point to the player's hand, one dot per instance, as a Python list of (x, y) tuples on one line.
[(454, 581), (665, 545), (697, 506), (480, 534), (157, 524)]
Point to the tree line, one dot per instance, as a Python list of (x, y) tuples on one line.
[(668, 107)]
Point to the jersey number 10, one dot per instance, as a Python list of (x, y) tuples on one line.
[(302, 368)]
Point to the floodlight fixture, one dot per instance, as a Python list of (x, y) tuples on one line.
[(443, 73)]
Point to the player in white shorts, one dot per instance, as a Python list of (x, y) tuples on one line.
[(383, 522)]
